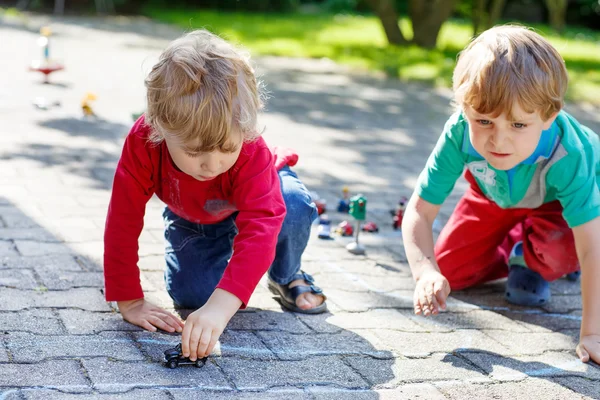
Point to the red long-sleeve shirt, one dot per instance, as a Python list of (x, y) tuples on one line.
[(251, 187)]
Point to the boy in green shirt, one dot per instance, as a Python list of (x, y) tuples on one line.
[(531, 211)]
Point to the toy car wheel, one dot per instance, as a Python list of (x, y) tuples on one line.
[(172, 364), (200, 363)]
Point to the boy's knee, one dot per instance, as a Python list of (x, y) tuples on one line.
[(301, 211)]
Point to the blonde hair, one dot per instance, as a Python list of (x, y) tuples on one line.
[(201, 89), (508, 65)]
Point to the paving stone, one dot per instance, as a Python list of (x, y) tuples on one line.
[(586, 387), (11, 394), (84, 298), (79, 322), (509, 390), (359, 302), (149, 394), (412, 391), (17, 279), (413, 344), (7, 248), (152, 263), (534, 342), (380, 318), (153, 281), (549, 364), (546, 322), (563, 304), (360, 268), (61, 280), (266, 320), (52, 262), (64, 374), (35, 233), (275, 394), (117, 376), (27, 347), (391, 373), (36, 321), (18, 220), (231, 344), (565, 287), (30, 248), (15, 299), (3, 353), (255, 375), (296, 347), (476, 319)]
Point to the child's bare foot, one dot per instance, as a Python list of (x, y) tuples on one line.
[(306, 300)]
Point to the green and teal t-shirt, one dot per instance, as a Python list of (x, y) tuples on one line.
[(565, 166)]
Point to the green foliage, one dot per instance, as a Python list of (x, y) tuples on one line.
[(359, 41)]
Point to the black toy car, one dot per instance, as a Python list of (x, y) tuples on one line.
[(174, 358)]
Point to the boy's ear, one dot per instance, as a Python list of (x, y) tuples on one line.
[(548, 123)]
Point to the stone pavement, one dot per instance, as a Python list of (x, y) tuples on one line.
[(61, 340)]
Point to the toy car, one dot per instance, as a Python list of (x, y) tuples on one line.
[(370, 227), (344, 229), (324, 230), (174, 358)]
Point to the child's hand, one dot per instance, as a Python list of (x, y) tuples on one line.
[(589, 348), (142, 313), (430, 293), (204, 326)]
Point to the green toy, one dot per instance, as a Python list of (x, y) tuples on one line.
[(358, 207), (358, 210)]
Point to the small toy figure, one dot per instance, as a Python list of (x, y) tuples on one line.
[(344, 203), (398, 213), (358, 209), (370, 227), (85, 105), (174, 358), (46, 66), (324, 230), (319, 202), (344, 228)]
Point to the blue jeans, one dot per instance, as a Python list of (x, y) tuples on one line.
[(197, 254)]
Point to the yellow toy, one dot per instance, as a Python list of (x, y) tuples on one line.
[(85, 105)]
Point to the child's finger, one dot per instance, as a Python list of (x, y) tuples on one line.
[(147, 326), (211, 345), (440, 294), (582, 353), (430, 298), (172, 321), (185, 338), (194, 339), (424, 303), (435, 307), (159, 323), (204, 342)]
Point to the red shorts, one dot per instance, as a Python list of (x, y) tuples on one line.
[(475, 244)]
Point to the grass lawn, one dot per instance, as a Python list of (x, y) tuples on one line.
[(359, 41)]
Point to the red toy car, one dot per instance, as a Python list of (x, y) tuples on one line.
[(370, 227), (344, 229)]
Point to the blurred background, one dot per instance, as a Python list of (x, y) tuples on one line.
[(413, 40)]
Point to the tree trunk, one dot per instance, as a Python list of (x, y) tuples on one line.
[(427, 19), (386, 11), (557, 10), (495, 12), (477, 15), (486, 13)]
